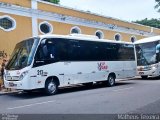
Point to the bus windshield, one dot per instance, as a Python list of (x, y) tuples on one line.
[(146, 53), (22, 55)]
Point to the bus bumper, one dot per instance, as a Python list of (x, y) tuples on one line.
[(19, 85), (153, 73)]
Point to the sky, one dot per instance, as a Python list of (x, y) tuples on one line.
[(129, 10)]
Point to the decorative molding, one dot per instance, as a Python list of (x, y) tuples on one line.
[(49, 25), (77, 28), (34, 26), (120, 36), (12, 20), (39, 14), (101, 33), (34, 4), (133, 37)]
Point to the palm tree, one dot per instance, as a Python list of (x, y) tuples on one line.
[(53, 1), (157, 6)]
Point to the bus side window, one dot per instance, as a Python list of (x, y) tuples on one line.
[(46, 51), (50, 53), (61, 49), (73, 50)]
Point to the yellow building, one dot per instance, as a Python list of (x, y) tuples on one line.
[(20, 19)]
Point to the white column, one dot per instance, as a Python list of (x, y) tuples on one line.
[(34, 18), (151, 29)]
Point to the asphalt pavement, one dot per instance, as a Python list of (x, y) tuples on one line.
[(134, 96)]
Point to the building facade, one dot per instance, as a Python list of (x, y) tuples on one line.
[(20, 19)]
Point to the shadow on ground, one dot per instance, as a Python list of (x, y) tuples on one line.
[(76, 88), (148, 79)]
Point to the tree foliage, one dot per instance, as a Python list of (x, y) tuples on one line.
[(157, 6), (53, 1), (149, 22)]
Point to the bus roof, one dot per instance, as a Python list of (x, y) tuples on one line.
[(81, 37), (149, 39)]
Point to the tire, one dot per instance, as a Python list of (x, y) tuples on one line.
[(111, 80), (144, 77), (51, 87)]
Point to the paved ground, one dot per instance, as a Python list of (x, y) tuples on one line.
[(127, 97), (4, 91)]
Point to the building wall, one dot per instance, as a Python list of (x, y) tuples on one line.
[(23, 3), (32, 13), (71, 12), (157, 31), (65, 29), (9, 39)]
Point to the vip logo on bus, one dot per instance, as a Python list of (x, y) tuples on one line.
[(102, 66)]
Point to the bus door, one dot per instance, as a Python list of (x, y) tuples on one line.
[(68, 73), (128, 57)]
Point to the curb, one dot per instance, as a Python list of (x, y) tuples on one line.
[(8, 92)]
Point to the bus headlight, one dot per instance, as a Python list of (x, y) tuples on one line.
[(154, 67), (23, 75)]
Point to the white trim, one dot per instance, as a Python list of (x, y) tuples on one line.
[(15, 10), (77, 28), (91, 13), (12, 20), (34, 26), (49, 25), (152, 29), (34, 4), (120, 36), (101, 33)]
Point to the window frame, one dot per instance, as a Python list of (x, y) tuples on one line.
[(76, 28), (134, 39), (120, 37), (12, 20), (101, 34), (49, 25)]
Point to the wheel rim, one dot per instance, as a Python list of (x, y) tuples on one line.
[(111, 80), (51, 87)]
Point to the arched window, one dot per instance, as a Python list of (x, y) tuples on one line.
[(75, 30), (7, 23), (117, 37), (45, 28), (99, 34), (133, 39)]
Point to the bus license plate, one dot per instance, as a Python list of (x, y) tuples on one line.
[(11, 84)]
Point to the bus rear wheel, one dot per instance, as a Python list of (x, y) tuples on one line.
[(111, 80), (51, 87)]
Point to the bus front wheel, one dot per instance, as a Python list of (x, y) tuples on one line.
[(51, 87), (144, 77), (111, 80)]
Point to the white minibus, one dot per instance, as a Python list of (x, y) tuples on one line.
[(49, 62)]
